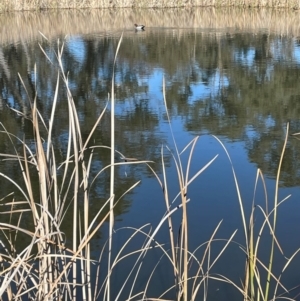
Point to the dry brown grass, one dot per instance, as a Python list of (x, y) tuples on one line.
[(21, 5), (25, 26)]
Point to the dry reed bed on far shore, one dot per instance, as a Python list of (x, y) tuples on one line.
[(25, 26), (7, 5)]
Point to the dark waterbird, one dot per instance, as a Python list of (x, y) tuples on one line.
[(139, 27)]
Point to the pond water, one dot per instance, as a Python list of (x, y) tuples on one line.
[(238, 82)]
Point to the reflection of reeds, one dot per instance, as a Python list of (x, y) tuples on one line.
[(24, 26), (46, 4)]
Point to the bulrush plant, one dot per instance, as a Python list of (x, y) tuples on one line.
[(259, 276), (46, 269), (49, 269)]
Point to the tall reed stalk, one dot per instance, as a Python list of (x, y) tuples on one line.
[(112, 169), (256, 287)]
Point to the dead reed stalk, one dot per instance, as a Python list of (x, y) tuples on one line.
[(23, 5)]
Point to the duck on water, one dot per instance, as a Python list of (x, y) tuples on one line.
[(139, 27)]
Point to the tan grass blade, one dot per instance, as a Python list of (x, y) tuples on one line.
[(184, 223), (51, 121), (251, 265), (151, 237), (170, 223), (112, 170), (42, 35), (94, 127), (195, 176), (238, 191), (284, 268), (116, 164), (119, 258), (193, 142), (275, 215), (194, 290)]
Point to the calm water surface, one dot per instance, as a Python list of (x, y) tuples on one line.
[(239, 85)]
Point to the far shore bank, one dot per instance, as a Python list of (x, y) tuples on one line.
[(24, 5), (26, 26)]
